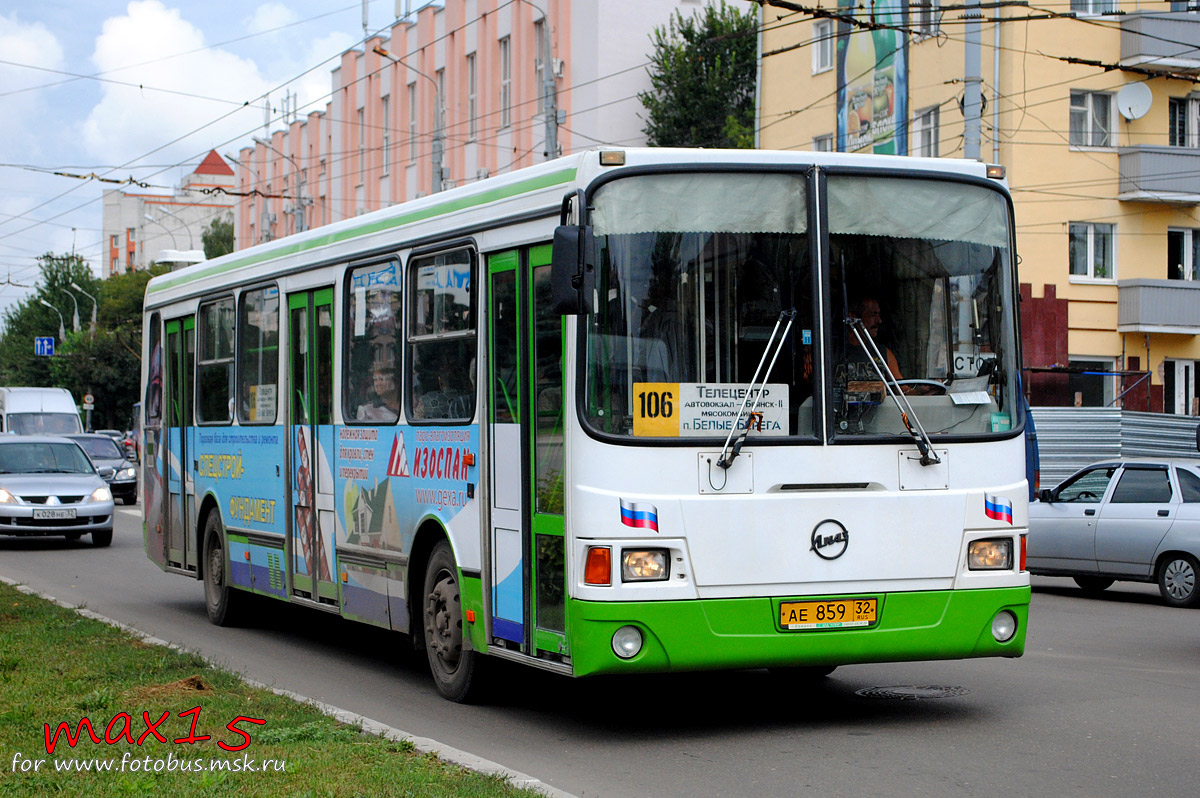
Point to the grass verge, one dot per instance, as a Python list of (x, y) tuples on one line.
[(57, 667)]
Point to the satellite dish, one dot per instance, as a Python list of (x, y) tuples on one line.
[(1133, 100)]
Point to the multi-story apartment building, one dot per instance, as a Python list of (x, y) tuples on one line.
[(142, 228), (489, 63), (1094, 110)]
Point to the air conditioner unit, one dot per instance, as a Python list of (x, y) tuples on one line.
[(482, 174)]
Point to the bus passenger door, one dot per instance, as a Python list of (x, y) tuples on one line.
[(181, 486), (310, 434), (527, 567)]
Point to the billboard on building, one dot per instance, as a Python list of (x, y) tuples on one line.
[(872, 78)]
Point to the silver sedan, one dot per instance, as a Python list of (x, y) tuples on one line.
[(48, 486), (1135, 520)]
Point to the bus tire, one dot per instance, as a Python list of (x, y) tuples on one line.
[(223, 603), (102, 537), (455, 668)]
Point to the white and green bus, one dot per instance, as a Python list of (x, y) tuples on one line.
[(622, 412)]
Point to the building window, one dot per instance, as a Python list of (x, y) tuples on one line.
[(129, 234), (1183, 127), (385, 107), (1092, 254), (539, 33), (823, 143), (1091, 119), (1181, 387), (115, 268), (1091, 382), (505, 83), (116, 241), (471, 107), (412, 121), (925, 17), (925, 133), (1094, 6), (823, 41), (1183, 253)]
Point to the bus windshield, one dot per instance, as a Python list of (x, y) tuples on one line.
[(695, 270)]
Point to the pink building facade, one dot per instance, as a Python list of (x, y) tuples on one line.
[(373, 145)]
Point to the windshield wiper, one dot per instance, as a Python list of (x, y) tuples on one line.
[(729, 454), (879, 363)]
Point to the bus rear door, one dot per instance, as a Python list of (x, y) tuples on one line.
[(181, 486)]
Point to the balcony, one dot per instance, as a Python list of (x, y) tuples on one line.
[(1161, 41), (1158, 306), (1159, 174)]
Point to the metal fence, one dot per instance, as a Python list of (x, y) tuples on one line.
[(1071, 437)]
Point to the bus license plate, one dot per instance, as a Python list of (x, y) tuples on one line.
[(53, 514), (829, 614)]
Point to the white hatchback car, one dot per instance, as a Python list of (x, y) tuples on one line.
[(1135, 520), (48, 486)]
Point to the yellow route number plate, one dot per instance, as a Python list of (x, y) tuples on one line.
[(829, 614)]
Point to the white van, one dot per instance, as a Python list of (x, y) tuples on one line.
[(38, 411)]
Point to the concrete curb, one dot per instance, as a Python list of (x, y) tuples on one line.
[(425, 745)]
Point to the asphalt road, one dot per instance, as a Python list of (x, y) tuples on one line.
[(1105, 702)]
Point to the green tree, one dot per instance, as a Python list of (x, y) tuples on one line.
[(29, 319), (218, 237), (702, 74)]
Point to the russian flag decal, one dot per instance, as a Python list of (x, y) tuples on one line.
[(997, 507), (643, 516)]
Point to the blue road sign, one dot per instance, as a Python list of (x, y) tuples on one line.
[(43, 346)]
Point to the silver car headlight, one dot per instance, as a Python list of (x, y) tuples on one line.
[(126, 473), (100, 495), (8, 498)]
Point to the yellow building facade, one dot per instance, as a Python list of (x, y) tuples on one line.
[(1096, 119)]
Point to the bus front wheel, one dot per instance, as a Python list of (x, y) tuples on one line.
[(455, 668), (224, 603)]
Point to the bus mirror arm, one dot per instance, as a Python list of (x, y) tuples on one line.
[(573, 270)]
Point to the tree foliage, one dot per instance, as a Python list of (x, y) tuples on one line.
[(217, 238), (106, 364), (702, 75)]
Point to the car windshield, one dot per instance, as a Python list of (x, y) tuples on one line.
[(43, 423), (700, 274), (43, 458), (100, 448)]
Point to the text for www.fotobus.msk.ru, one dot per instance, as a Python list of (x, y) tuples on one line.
[(121, 730)]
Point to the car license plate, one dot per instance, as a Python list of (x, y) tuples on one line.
[(828, 614), (53, 514)]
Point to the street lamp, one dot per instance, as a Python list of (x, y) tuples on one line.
[(75, 316), (298, 202), (79, 288), (438, 113), (188, 227), (174, 243), (62, 329)]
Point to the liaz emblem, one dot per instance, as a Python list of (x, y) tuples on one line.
[(829, 539)]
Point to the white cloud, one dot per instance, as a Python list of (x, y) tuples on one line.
[(35, 45), (268, 17), (131, 121)]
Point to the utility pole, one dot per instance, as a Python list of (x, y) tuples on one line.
[(973, 80), (549, 87), (300, 200), (438, 117)]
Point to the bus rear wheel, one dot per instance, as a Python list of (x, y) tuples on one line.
[(456, 670), (223, 603)]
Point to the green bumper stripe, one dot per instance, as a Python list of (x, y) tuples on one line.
[(744, 633), (461, 203)]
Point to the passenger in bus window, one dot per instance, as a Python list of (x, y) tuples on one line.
[(385, 404), (867, 308), (442, 392)]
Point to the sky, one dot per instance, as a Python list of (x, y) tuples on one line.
[(142, 89)]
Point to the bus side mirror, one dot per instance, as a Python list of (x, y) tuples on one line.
[(572, 271), (1045, 496)]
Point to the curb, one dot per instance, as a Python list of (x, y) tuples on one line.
[(425, 745)]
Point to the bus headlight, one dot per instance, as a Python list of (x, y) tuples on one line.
[(995, 554), (100, 495), (645, 565), (1004, 626), (627, 642)]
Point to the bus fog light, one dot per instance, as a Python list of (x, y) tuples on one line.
[(1004, 626), (644, 565), (627, 642), (990, 555)]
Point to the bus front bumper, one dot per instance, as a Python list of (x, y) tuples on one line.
[(745, 633)]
